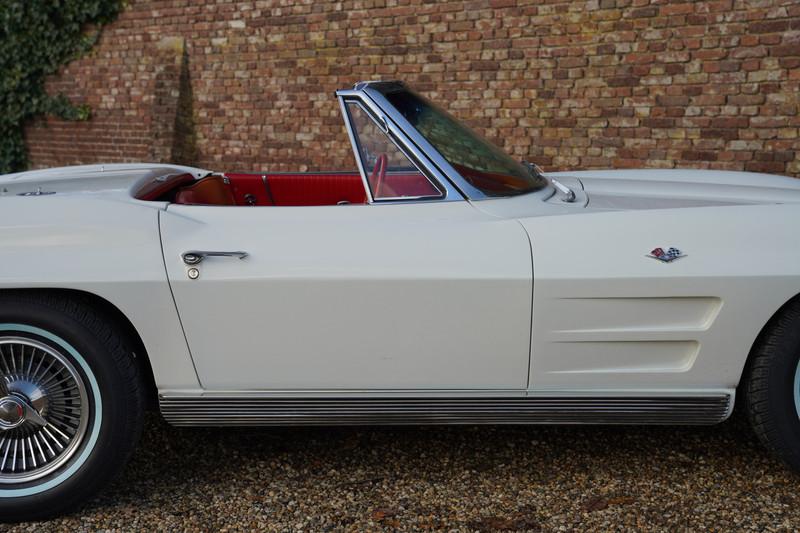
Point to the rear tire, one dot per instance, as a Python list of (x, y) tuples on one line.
[(89, 401), (772, 386)]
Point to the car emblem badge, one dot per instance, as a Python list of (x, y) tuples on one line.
[(667, 256)]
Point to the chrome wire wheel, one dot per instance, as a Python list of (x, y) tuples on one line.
[(44, 409)]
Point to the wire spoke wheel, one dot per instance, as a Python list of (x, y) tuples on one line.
[(44, 409), (72, 402)]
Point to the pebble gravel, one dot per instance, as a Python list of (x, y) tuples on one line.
[(507, 478)]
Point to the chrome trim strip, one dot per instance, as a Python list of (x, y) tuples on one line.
[(354, 143), (431, 169), (381, 123), (272, 411), (400, 137), (421, 144)]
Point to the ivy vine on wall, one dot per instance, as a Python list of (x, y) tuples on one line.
[(37, 37)]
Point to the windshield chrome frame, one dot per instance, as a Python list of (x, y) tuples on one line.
[(455, 179), (463, 186), (400, 137)]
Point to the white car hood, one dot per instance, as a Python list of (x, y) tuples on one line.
[(664, 189), (628, 190)]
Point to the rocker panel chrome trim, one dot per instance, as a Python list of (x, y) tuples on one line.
[(272, 411)]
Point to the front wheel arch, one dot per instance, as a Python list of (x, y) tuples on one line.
[(87, 430), (768, 389), (759, 341)]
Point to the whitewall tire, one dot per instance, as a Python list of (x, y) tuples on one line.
[(71, 403)]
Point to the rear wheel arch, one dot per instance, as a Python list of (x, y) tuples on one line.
[(117, 318)]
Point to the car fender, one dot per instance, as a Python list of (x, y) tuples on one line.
[(103, 245), (607, 315)]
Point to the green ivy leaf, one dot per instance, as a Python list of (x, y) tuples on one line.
[(37, 38)]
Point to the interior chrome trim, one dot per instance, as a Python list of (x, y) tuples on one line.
[(701, 409)]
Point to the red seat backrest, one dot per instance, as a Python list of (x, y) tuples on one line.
[(211, 190), (158, 189), (316, 189)]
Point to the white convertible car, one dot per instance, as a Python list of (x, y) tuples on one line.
[(442, 282)]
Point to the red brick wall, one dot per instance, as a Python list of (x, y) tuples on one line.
[(585, 84)]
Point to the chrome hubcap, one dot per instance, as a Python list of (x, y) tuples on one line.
[(44, 409), (12, 413)]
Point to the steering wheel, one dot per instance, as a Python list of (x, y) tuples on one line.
[(379, 173)]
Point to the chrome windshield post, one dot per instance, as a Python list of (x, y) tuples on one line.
[(354, 142), (402, 137)]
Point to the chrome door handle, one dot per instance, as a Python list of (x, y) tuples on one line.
[(194, 257)]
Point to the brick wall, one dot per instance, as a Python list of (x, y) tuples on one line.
[(586, 84)]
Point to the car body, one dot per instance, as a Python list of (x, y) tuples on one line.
[(447, 299)]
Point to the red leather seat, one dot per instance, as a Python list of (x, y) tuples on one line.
[(212, 190), (160, 189)]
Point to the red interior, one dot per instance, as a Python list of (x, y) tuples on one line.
[(214, 190), (316, 189), (249, 189), (295, 189), (329, 188)]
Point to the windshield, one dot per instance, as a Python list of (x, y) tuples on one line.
[(485, 166)]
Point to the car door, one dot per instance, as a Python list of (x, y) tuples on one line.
[(412, 291), (418, 296)]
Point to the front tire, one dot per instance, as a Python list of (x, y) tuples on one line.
[(71, 404), (772, 386)]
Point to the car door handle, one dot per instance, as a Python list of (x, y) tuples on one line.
[(194, 257)]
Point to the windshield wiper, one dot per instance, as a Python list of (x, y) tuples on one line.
[(568, 195)]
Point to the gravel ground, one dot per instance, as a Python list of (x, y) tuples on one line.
[(445, 478)]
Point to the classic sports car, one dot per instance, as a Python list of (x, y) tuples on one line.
[(442, 282)]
